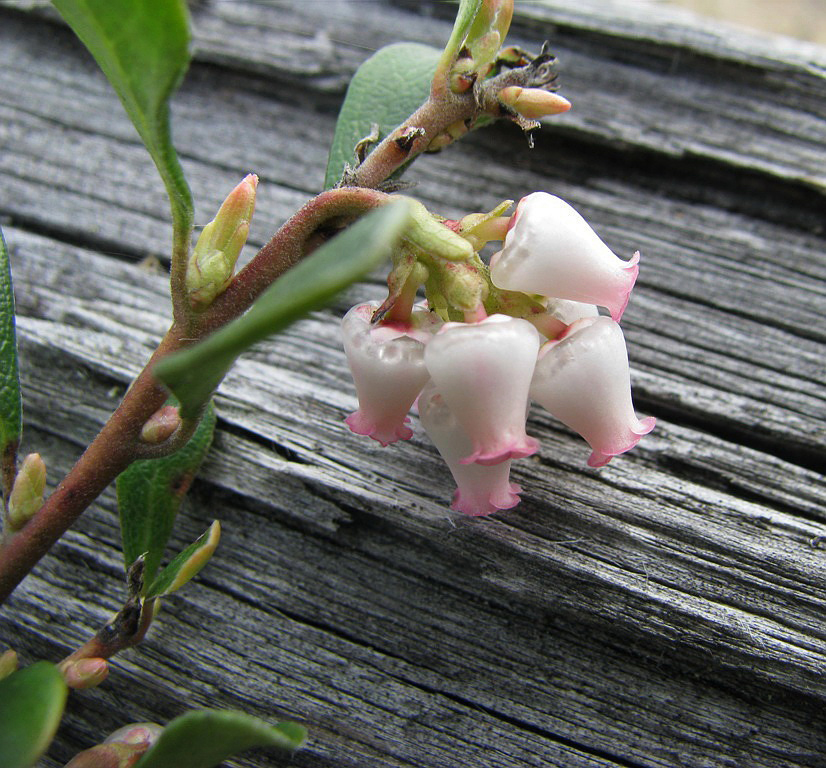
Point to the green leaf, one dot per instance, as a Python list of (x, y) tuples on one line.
[(143, 49), (187, 564), (193, 374), (31, 705), (386, 90), (204, 738), (11, 410), (150, 493), (465, 16)]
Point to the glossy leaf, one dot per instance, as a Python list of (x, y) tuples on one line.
[(386, 90), (194, 373), (204, 738), (143, 49), (11, 410), (150, 493), (187, 564), (31, 705)]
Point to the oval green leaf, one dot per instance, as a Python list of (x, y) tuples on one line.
[(150, 493), (204, 738), (11, 409), (31, 705), (143, 49), (193, 374), (385, 91), (187, 564)]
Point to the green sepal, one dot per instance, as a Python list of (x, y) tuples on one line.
[(31, 705), (385, 91), (11, 407), (193, 374), (205, 738), (143, 49), (150, 493), (186, 564)]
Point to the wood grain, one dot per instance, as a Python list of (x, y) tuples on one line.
[(666, 610)]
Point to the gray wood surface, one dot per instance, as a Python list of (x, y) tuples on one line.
[(666, 610)]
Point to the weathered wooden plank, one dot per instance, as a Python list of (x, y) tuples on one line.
[(642, 78), (666, 610), (379, 635), (619, 516)]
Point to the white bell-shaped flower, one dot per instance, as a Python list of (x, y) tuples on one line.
[(481, 489), (583, 380), (552, 251), (387, 363), (483, 370)]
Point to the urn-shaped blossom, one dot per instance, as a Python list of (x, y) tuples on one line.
[(583, 380), (483, 371), (481, 489), (387, 363), (552, 251)]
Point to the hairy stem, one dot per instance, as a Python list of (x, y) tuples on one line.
[(118, 443)]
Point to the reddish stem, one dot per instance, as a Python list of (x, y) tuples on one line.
[(117, 444)]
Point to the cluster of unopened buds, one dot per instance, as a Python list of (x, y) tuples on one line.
[(473, 356)]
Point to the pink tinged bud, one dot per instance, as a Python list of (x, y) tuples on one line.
[(483, 371), (481, 489), (161, 425), (387, 363), (533, 102), (551, 250), (583, 380), (85, 673), (139, 734)]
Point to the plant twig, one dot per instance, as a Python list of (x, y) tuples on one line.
[(117, 444)]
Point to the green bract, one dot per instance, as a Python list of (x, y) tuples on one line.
[(205, 738), (10, 406), (31, 705), (150, 493)]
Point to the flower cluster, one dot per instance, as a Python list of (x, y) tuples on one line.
[(474, 380)]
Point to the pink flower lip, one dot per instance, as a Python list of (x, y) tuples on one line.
[(481, 489), (599, 458)]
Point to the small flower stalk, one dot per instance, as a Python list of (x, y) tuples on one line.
[(473, 353)]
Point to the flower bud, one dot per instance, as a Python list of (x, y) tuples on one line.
[(551, 250), (583, 380), (483, 371), (481, 489), (26, 495), (161, 425), (387, 363), (85, 673), (8, 663), (533, 103), (213, 259), (122, 749), (144, 734)]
